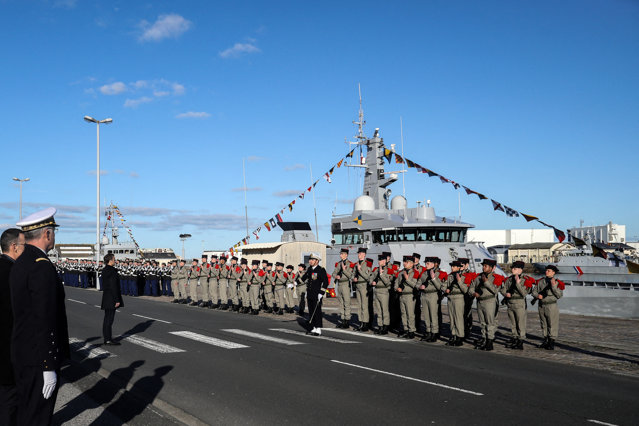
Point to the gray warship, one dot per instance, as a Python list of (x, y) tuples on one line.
[(381, 224), (120, 249)]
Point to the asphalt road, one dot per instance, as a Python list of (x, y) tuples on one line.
[(223, 367)]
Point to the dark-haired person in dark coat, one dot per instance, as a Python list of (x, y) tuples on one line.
[(111, 297), (12, 245)]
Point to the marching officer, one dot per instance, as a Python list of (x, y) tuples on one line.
[(548, 291), (405, 286), (382, 283), (203, 276), (317, 280), (485, 289), (455, 289), (175, 285), (290, 289), (430, 285), (279, 283), (243, 285), (342, 274), (361, 277), (515, 290), (267, 286), (468, 298)]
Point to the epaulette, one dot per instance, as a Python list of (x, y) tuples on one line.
[(352, 264), (336, 263), (443, 275), (498, 280), (561, 285), (529, 282)]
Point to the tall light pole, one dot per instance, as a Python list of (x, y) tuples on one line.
[(21, 180), (183, 238), (97, 198)]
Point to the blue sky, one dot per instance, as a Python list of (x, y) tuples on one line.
[(535, 104)]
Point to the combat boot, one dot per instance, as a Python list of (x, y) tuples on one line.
[(434, 337), (459, 342), (511, 343), (519, 345), (488, 346), (426, 337), (543, 344), (255, 312), (410, 335), (452, 341), (480, 344), (364, 327), (384, 330), (551, 345)]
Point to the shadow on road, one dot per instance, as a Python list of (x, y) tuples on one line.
[(101, 393), (132, 403)]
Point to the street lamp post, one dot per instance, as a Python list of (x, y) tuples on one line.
[(21, 180), (183, 238), (97, 211)]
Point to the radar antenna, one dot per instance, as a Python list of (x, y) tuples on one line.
[(360, 123)]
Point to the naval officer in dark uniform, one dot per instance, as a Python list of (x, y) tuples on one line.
[(317, 280), (40, 341), (12, 245), (111, 297)]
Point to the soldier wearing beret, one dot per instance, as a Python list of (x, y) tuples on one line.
[(429, 285), (405, 286), (485, 289), (223, 283), (279, 287), (40, 340), (342, 274), (455, 289), (214, 283), (257, 277), (290, 289), (243, 283), (382, 282), (361, 276), (234, 273), (547, 292), (300, 288), (515, 290)]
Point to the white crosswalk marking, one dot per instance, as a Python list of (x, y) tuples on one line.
[(262, 337), (151, 344), (371, 336), (77, 301), (87, 350), (209, 340), (302, 333)]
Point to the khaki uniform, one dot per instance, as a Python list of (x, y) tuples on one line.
[(487, 302), (548, 309), (456, 302), (205, 273), (517, 303), (300, 288), (175, 285), (234, 273), (267, 288), (194, 275), (429, 298), (383, 279), (223, 283), (407, 297), (361, 279), (256, 280), (345, 270), (214, 280), (243, 286), (290, 289), (279, 280), (182, 280)]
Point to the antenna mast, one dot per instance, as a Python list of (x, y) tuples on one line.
[(245, 202), (360, 123)]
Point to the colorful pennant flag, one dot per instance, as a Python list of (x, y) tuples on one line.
[(267, 226), (497, 206), (278, 217), (272, 222), (340, 163), (559, 234), (529, 217), (399, 159), (511, 212), (327, 177), (388, 154)]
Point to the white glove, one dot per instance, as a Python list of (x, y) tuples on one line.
[(319, 297), (50, 380), (290, 286)]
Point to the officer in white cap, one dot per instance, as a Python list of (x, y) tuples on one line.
[(317, 280), (40, 341)]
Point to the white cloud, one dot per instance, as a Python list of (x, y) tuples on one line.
[(178, 89), (289, 193), (134, 175), (294, 167), (134, 103), (239, 49), (113, 88), (166, 26), (257, 188), (193, 114)]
